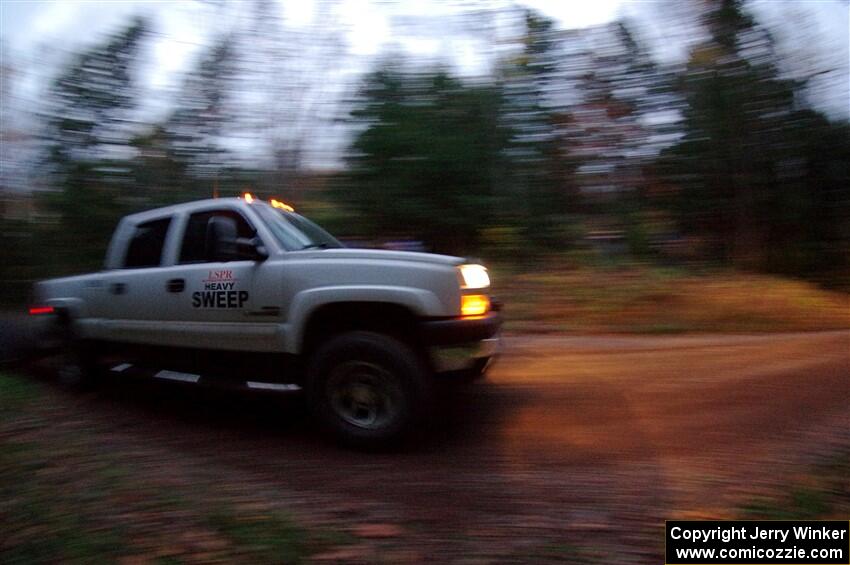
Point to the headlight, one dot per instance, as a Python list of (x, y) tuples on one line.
[(474, 276)]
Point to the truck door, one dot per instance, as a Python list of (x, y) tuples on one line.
[(128, 299), (219, 304)]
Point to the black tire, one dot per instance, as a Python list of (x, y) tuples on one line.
[(367, 389), (76, 364)]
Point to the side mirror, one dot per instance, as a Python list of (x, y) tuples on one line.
[(251, 248), (222, 243)]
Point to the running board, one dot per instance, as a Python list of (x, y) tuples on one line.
[(193, 378)]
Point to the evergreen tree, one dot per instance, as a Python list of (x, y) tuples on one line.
[(87, 127), (425, 164), (87, 115), (541, 171), (204, 117), (755, 176)]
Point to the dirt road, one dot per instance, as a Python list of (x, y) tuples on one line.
[(584, 443)]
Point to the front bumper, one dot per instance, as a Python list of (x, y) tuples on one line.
[(459, 344), (455, 331), (463, 357)]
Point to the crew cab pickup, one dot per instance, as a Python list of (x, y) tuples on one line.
[(239, 292)]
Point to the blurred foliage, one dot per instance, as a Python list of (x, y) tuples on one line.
[(559, 149), (592, 294), (823, 493), (203, 112), (85, 127), (540, 182), (762, 176), (426, 164)]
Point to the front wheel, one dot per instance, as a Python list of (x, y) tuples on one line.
[(367, 389)]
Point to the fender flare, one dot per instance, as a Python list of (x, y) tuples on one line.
[(419, 301)]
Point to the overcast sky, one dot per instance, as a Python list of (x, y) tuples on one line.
[(812, 35)]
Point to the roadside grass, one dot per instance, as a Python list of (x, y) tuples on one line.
[(64, 499), (273, 537), (564, 553), (15, 393), (557, 296), (821, 494)]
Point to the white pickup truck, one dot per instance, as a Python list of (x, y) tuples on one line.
[(240, 292)]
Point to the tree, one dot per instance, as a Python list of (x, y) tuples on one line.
[(748, 165), (88, 124), (89, 104), (204, 115), (541, 174), (424, 165), (293, 77), (620, 86)]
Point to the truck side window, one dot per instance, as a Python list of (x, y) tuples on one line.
[(194, 248), (145, 249)]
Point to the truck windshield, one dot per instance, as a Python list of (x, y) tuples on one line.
[(293, 231)]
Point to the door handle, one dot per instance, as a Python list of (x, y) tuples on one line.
[(176, 285), (118, 288)]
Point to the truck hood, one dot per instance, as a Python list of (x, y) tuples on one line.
[(385, 255)]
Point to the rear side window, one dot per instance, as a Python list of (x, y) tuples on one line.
[(145, 249), (194, 247)]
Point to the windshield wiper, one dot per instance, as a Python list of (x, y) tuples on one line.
[(315, 246)]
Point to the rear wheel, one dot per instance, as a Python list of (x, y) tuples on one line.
[(77, 370), (367, 389), (76, 364)]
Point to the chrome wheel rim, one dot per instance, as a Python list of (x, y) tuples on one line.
[(363, 394)]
